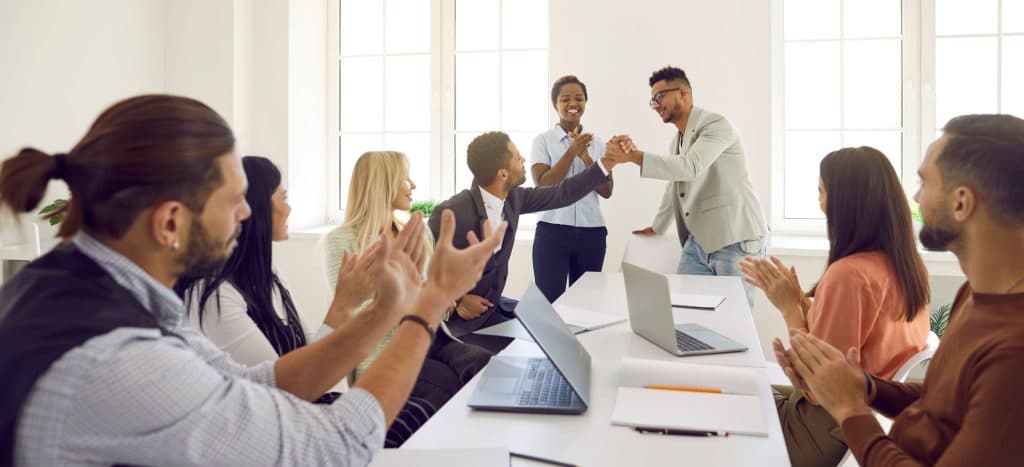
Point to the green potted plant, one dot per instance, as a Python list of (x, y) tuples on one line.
[(424, 206), (938, 319), (52, 207)]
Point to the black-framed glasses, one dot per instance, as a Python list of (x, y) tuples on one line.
[(658, 96)]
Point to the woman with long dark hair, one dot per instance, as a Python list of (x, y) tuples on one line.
[(245, 308), (873, 295)]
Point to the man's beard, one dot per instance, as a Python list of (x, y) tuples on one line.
[(204, 256), (519, 182), (936, 237)]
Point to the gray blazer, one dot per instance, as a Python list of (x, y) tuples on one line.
[(709, 191)]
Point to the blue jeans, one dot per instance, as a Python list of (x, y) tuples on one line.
[(724, 262)]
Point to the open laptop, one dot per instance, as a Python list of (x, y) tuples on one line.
[(650, 316), (559, 383)]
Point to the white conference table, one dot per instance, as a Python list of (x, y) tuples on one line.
[(590, 439)]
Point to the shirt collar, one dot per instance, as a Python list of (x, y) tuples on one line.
[(156, 298), (562, 134), (491, 201)]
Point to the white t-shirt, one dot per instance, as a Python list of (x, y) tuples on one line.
[(234, 331)]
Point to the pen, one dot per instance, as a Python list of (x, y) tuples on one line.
[(674, 432), (540, 459), (683, 388)]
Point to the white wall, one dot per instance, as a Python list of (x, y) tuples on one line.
[(723, 46), (64, 61)]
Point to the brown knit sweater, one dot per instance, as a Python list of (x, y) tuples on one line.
[(970, 409)]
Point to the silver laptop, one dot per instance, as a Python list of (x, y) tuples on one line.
[(650, 316), (559, 383)]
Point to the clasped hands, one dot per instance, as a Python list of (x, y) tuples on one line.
[(621, 149)]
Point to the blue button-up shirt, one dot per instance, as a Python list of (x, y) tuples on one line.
[(134, 396), (548, 148)]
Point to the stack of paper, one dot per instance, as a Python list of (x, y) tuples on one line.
[(735, 409)]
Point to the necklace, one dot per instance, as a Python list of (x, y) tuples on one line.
[(1014, 284)]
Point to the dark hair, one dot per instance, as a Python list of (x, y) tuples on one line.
[(867, 210), (249, 268), (141, 151), (669, 73), (568, 79), (486, 155), (986, 154)]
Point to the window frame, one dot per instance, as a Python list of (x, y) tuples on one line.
[(444, 164)]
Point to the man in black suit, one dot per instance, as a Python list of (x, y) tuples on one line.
[(498, 173)]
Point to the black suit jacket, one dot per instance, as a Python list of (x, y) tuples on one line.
[(470, 214)]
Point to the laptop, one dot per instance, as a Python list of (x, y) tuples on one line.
[(650, 316), (558, 384)]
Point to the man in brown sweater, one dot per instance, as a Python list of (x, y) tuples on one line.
[(970, 408)]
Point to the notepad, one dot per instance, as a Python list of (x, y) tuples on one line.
[(706, 302), (737, 410), (470, 457), (587, 320)]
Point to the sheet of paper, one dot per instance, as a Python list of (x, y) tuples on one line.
[(588, 319), (686, 300), (733, 413), (639, 372), (470, 457)]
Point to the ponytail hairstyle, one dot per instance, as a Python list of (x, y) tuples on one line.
[(139, 152)]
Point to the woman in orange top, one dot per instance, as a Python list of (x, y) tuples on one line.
[(872, 296)]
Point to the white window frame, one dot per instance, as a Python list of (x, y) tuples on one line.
[(911, 99), (444, 161), (918, 96)]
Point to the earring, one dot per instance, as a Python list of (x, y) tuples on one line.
[(175, 245)]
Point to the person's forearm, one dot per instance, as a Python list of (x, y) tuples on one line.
[(637, 157), (391, 377), (605, 189), (310, 371), (557, 172), (794, 317)]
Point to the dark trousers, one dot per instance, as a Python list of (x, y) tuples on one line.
[(563, 252), (449, 366)]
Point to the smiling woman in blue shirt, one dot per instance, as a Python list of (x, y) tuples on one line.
[(571, 240)]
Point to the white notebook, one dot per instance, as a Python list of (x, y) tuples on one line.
[(470, 457), (686, 300), (736, 411)]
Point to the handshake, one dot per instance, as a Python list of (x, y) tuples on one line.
[(621, 149)]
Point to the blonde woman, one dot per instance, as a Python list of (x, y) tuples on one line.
[(380, 188)]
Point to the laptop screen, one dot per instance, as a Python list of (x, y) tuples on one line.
[(554, 338)]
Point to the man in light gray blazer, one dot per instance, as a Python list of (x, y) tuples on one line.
[(717, 214)]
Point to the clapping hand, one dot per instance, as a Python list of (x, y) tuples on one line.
[(398, 279), (580, 143), (452, 271), (836, 380), (780, 284)]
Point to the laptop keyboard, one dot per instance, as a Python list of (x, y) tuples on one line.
[(687, 343), (545, 386)]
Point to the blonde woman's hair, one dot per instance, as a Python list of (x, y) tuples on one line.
[(376, 179)]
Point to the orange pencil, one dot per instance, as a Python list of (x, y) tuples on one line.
[(683, 388)]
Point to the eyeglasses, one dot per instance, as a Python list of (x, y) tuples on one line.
[(661, 95)]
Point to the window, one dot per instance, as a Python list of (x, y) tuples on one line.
[(427, 76), (886, 74)]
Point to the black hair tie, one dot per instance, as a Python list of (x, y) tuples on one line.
[(61, 171)]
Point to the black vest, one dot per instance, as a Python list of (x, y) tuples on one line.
[(53, 305)]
